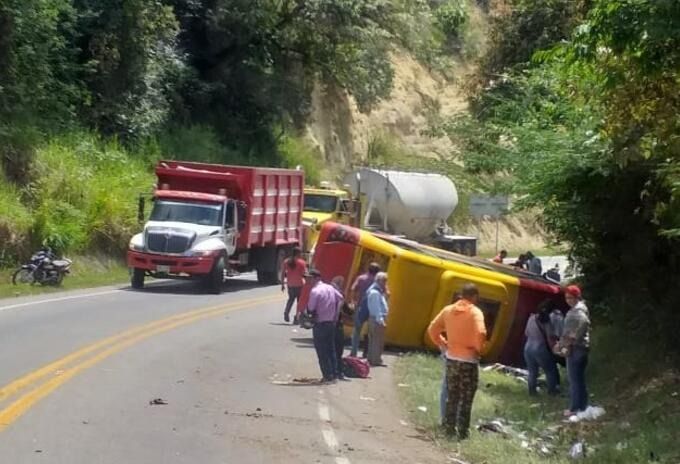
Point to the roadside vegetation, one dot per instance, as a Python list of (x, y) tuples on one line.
[(87, 271), (637, 388), (93, 92)]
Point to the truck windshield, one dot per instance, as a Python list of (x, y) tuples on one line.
[(192, 213), (320, 203)]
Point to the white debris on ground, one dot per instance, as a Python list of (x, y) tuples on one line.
[(520, 374), (590, 414), (578, 450)]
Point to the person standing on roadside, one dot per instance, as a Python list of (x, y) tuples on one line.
[(359, 289), (443, 393), (338, 283), (534, 263), (540, 336), (500, 257), (575, 346), (323, 305), (377, 321), (463, 323), (292, 273)]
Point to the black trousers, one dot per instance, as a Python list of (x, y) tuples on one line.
[(293, 295), (324, 343)]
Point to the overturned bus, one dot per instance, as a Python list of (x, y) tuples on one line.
[(422, 280)]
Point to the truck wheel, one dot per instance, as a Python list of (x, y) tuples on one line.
[(216, 277), (137, 279), (273, 277)]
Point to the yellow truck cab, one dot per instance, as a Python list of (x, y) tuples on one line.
[(324, 204)]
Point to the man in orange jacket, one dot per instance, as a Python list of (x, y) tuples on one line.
[(463, 323)]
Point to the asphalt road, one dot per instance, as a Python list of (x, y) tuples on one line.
[(79, 370)]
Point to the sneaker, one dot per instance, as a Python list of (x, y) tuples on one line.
[(295, 320), (286, 317)]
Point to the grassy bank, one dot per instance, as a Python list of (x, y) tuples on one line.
[(639, 390), (86, 272)]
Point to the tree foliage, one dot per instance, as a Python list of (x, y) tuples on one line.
[(587, 129)]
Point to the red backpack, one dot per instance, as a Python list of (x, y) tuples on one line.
[(354, 367)]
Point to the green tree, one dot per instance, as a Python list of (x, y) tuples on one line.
[(127, 60)]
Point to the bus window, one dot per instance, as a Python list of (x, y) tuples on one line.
[(490, 308)]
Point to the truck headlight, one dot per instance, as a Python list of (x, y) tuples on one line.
[(200, 253), (136, 247)]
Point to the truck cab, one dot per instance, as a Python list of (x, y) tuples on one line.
[(322, 205), (191, 230)]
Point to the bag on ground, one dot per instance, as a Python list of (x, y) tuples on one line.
[(354, 367)]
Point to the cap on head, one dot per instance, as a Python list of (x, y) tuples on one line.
[(314, 273), (574, 291), (373, 268)]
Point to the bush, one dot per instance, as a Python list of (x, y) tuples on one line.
[(295, 151), (451, 16), (195, 143), (85, 192)]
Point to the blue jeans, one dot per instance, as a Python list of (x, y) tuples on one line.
[(537, 356), (324, 343), (443, 394), (576, 369), (356, 333)]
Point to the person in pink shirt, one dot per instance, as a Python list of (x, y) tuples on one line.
[(292, 273), (324, 303)]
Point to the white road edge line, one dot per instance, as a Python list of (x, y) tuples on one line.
[(327, 431), (324, 413), (54, 300)]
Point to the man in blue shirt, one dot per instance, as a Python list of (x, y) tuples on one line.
[(377, 321)]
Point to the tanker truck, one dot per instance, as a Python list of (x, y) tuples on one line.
[(412, 205)]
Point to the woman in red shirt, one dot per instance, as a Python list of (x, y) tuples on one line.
[(292, 273)]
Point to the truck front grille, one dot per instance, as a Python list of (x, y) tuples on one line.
[(169, 241)]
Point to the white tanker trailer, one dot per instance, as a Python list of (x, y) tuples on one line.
[(413, 205)]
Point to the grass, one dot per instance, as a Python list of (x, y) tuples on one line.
[(641, 395), (87, 271)]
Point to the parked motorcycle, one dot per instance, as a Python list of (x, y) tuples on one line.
[(44, 268)]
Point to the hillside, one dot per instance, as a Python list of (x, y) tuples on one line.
[(340, 133)]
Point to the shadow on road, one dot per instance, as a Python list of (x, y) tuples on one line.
[(179, 287), (304, 341)]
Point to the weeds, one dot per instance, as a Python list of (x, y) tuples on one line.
[(639, 389)]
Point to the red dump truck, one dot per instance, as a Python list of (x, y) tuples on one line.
[(209, 221)]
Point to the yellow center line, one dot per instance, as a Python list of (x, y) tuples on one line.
[(115, 344)]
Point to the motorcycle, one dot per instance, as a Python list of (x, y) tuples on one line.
[(44, 268)]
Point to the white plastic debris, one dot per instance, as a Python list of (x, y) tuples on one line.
[(366, 398), (404, 423), (525, 444), (422, 408), (590, 414), (622, 445), (495, 426), (578, 451), (403, 385)]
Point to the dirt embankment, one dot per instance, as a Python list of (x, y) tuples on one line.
[(342, 135)]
